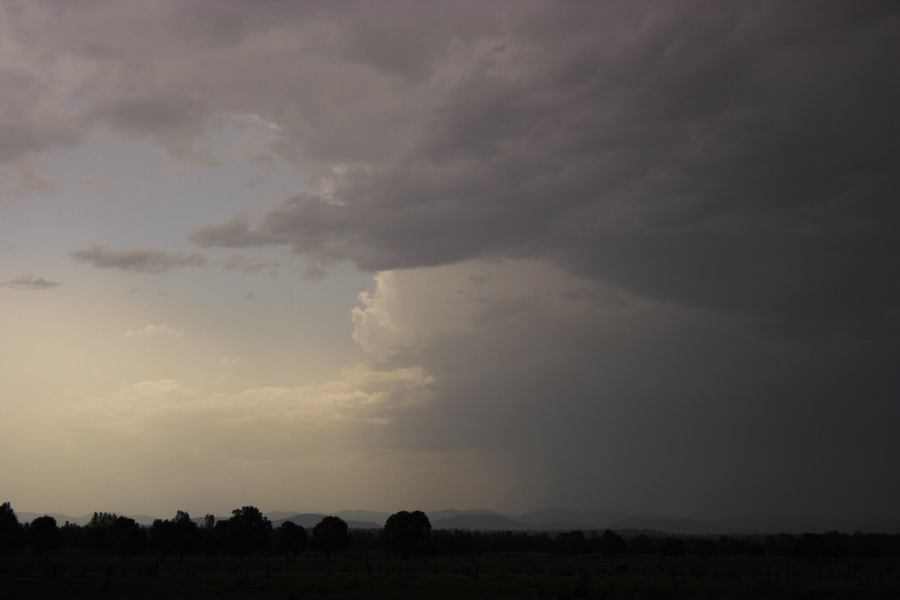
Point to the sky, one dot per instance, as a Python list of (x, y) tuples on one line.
[(313, 256)]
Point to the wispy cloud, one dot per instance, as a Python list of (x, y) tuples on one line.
[(227, 362), (26, 281), (142, 260), (241, 263), (154, 331), (360, 398)]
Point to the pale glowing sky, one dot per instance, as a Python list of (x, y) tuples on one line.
[(315, 256)]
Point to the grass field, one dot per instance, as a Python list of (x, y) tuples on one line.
[(512, 576)]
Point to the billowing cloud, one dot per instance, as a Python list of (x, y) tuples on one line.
[(27, 281), (408, 308), (676, 156), (334, 414), (141, 260), (735, 159), (594, 397)]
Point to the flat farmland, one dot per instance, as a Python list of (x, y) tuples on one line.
[(495, 576)]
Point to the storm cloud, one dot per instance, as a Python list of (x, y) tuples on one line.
[(631, 254), (711, 157), (592, 397), (734, 156)]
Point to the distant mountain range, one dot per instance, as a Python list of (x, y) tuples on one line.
[(558, 519), (565, 519), (478, 522), (562, 519), (310, 520)]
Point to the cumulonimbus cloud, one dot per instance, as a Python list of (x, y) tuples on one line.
[(741, 158), (727, 167), (698, 172)]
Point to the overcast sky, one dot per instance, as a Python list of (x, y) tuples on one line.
[(316, 256)]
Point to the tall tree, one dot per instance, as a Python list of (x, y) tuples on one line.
[(179, 535), (186, 534), (160, 536), (12, 534), (127, 537), (44, 535), (248, 531), (612, 544), (571, 543), (407, 532), (330, 535), (97, 532), (290, 539)]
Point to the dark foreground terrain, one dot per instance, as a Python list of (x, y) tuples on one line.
[(495, 576)]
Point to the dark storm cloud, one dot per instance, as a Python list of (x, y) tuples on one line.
[(721, 179), (29, 282), (138, 259), (730, 157), (28, 127), (634, 401)]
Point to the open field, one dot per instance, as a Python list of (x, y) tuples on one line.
[(498, 576)]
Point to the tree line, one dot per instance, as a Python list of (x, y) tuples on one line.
[(405, 533)]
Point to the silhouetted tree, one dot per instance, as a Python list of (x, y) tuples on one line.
[(731, 546), (365, 540), (612, 544), (72, 535), (641, 544), (248, 531), (210, 542), (570, 543), (97, 532), (330, 535), (12, 534), (108, 532), (159, 536), (127, 537), (44, 535), (290, 539), (186, 534), (407, 532), (672, 547), (704, 548), (810, 545), (179, 536)]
